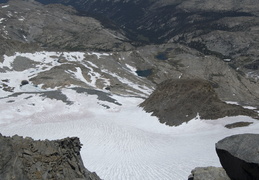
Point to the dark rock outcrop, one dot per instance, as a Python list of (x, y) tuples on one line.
[(238, 155), (178, 101), (238, 124), (26, 159), (208, 173)]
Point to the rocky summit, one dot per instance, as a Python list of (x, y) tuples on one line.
[(178, 101), (27, 159)]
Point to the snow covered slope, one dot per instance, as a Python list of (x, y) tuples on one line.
[(120, 140), (94, 94), (52, 70)]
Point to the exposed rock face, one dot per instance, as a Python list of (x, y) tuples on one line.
[(29, 25), (178, 101), (238, 155), (208, 173), (26, 159)]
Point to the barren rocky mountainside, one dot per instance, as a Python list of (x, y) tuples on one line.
[(159, 40), (89, 68), (226, 29), (53, 27)]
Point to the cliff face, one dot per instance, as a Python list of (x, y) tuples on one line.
[(26, 159)]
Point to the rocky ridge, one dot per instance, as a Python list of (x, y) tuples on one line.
[(27, 159), (178, 101)]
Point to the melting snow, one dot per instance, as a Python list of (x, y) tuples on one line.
[(46, 60), (78, 75), (138, 87), (92, 64), (9, 14), (98, 54), (5, 6), (25, 38), (132, 69), (1, 20), (21, 18)]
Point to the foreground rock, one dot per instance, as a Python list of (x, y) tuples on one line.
[(208, 173), (238, 155), (26, 159), (178, 101)]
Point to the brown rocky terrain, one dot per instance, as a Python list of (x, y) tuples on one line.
[(27, 159), (178, 101)]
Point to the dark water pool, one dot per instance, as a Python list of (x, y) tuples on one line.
[(144, 73), (161, 56)]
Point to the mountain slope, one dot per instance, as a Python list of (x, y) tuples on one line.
[(226, 29), (53, 27), (28, 26), (50, 90)]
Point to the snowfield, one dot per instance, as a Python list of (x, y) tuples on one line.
[(120, 142)]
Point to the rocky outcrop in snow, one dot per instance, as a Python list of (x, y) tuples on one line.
[(238, 155), (208, 173), (178, 101), (26, 159)]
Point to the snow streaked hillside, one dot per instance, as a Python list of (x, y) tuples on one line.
[(52, 70), (120, 140)]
